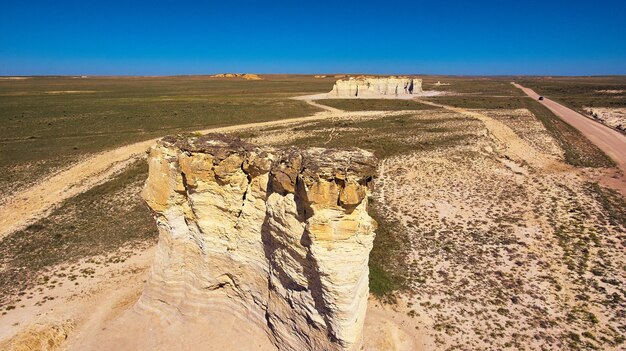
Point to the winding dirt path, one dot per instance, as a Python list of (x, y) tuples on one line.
[(310, 99), (511, 144), (30, 204)]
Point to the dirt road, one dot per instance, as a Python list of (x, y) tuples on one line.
[(613, 143), (309, 99), (33, 203)]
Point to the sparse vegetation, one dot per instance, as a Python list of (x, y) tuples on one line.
[(102, 220), (389, 259), (491, 252), (497, 259), (374, 104), (578, 92), (579, 151), (48, 122), (392, 135)]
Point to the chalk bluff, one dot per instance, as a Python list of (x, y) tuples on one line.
[(371, 87), (278, 237)]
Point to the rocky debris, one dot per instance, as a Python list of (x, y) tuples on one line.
[(247, 76), (370, 86), (612, 117), (44, 337), (279, 238)]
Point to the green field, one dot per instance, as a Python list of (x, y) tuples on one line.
[(47, 122), (579, 92), (473, 86)]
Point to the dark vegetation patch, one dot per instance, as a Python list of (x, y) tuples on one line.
[(480, 102), (390, 256), (374, 104), (93, 223)]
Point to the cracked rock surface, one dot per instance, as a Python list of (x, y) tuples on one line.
[(279, 238)]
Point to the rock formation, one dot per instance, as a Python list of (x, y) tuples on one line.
[(247, 76), (278, 237), (367, 87)]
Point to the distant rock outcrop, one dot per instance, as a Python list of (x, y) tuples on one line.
[(368, 86), (248, 76), (278, 237)]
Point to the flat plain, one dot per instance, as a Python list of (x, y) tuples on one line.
[(494, 230)]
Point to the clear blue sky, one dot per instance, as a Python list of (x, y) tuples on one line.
[(200, 37)]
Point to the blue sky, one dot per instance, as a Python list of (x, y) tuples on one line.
[(201, 37)]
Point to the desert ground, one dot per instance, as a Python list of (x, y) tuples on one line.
[(500, 226)]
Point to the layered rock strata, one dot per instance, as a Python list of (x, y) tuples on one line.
[(278, 237), (368, 87)]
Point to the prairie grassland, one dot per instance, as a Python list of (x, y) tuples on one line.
[(600, 98), (580, 92), (485, 253), (374, 104), (49, 122)]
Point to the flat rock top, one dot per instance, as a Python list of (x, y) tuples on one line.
[(343, 161), (321, 161)]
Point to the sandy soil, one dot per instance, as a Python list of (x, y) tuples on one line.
[(77, 306), (509, 143), (97, 313)]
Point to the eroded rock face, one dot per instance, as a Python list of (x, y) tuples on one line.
[(278, 237), (368, 87)]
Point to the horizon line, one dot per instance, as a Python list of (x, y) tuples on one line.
[(304, 74)]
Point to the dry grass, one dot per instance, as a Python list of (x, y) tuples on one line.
[(100, 221), (488, 254), (374, 104), (578, 150), (42, 132)]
